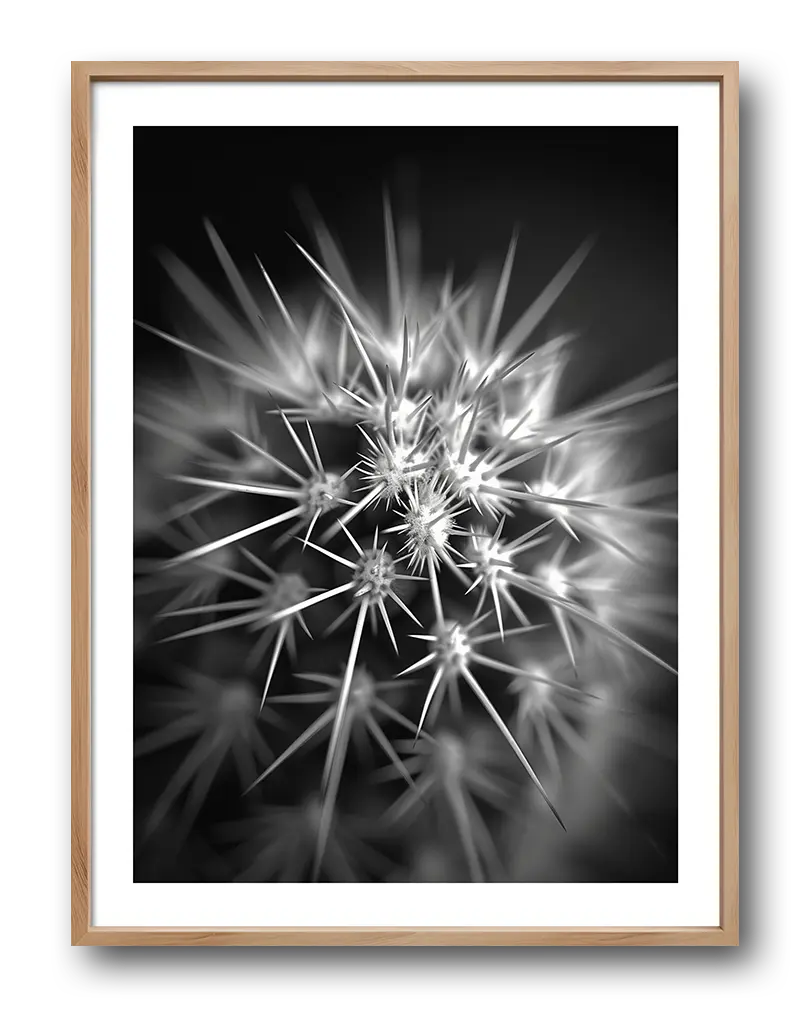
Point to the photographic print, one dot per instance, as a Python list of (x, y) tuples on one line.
[(405, 504)]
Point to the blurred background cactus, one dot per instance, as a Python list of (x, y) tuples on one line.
[(405, 505)]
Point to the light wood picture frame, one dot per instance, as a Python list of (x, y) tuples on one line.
[(84, 76)]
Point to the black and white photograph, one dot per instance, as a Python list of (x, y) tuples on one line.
[(405, 535)]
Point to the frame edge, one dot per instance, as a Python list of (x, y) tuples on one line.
[(83, 74), (80, 495)]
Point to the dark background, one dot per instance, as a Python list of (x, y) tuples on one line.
[(469, 187)]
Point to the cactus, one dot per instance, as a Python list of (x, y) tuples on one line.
[(406, 547)]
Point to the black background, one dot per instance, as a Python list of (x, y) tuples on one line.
[(469, 187)]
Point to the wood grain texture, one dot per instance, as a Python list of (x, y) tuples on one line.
[(83, 75), (412, 70), (81, 501), (388, 937), (729, 503)]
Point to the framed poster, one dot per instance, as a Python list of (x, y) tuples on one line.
[(405, 402)]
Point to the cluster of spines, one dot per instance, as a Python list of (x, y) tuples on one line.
[(433, 456)]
